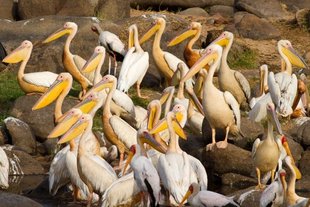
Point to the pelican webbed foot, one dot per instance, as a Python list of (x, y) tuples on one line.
[(222, 144), (260, 187), (210, 146)]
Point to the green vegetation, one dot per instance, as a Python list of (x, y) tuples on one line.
[(9, 91), (247, 59)]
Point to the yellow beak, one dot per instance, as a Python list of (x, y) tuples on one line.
[(76, 130), (194, 99), (59, 33), (182, 37), (129, 158), (186, 196), (151, 117), (294, 58), (17, 55), (148, 139), (288, 152), (93, 62), (149, 33), (51, 94), (130, 39), (99, 87)]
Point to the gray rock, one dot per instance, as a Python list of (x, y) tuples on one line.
[(303, 186), (3, 136), (14, 200), (22, 163), (21, 134), (303, 18), (238, 16), (253, 27), (6, 9), (225, 11), (112, 9), (196, 11), (176, 3), (263, 8), (296, 148), (237, 181), (296, 4), (40, 121), (248, 197), (303, 134), (304, 164)]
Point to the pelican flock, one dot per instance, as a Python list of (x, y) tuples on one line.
[(153, 167)]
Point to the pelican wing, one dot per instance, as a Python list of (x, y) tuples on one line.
[(4, 169), (79, 61), (124, 131), (244, 84), (269, 194), (44, 78), (255, 146), (123, 100), (259, 111), (209, 198), (233, 104), (112, 41), (199, 171), (274, 88), (172, 61), (58, 173), (127, 62)]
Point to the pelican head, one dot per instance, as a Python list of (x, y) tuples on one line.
[(282, 173), (211, 54), (157, 24), (70, 118), (193, 189), (64, 80), (224, 39), (286, 49), (180, 113), (108, 81), (132, 29), (68, 28), (263, 71), (19, 54), (153, 110), (97, 58), (193, 29), (89, 102), (77, 129), (272, 116)]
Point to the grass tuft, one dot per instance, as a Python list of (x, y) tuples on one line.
[(247, 59)]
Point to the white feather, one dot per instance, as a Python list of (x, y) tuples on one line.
[(4, 169), (124, 131), (111, 41), (44, 79)]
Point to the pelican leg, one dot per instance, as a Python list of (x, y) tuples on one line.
[(210, 146), (121, 158), (82, 93), (90, 195), (223, 144), (109, 70), (260, 186), (272, 174), (75, 192), (139, 91), (115, 65)]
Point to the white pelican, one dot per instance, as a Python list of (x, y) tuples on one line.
[(98, 57), (231, 80), (174, 167), (123, 191), (135, 64), (283, 85), (274, 193), (214, 99), (72, 63), (266, 153), (117, 131), (4, 170), (95, 172), (263, 89), (145, 173), (29, 82), (292, 199), (112, 44), (201, 198), (165, 61)]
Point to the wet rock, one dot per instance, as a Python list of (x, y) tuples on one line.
[(6, 9), (225, 11), (303, 134), (303, 186), (262, 8), (14, 200), (237, 181), (248, 197), (303, 18), (21, 134), (176, 3), (50, 146), (22, 163), (253, 27), (233, 159), (304, 164), (196, 11), (40, 121), (25, 184)]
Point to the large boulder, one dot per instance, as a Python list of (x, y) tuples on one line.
[(195, 11), (238, 181), (225, 11), (248, 197), (304, 164), (14, 200), (6, 9), (303, 18), (253, 27), (296, 4), (142, 4), (105, 9), (22, 163), (303, 186), (263, 8), (21, 134), (303, 134), (40, 121)]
